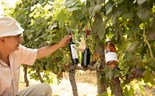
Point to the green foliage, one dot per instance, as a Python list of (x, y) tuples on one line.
[(129, 23)]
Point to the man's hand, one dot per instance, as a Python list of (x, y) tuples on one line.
[(64, 41)]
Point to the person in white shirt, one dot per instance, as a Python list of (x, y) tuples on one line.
[(13, 54)]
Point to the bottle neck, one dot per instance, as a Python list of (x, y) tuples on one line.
[(110, 47), (71, 39)]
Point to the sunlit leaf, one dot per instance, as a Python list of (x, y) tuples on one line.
[(73, 9), (61, 17), (131, 91), (109, 7), (126, 92)]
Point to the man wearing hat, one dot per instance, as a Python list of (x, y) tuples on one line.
[(13, 54)]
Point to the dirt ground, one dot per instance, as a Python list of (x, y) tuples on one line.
[(86, 85)]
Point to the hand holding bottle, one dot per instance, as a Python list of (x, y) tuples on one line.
[(65, 41), (73, 51)]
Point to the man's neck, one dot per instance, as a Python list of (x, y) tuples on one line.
[(4, 56)]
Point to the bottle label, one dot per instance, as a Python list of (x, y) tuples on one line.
[(111, 56), (74, 51)]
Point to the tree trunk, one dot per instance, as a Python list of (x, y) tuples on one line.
[(25, 75), (39, 76), (101, 83), (72, 80), (116, 88)]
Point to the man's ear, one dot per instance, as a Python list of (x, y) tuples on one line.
[(2, 39)]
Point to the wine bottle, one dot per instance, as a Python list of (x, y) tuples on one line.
[(110, 54), (73, 52), (85, 58), (86, 53)]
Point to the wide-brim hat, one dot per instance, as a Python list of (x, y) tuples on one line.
[(9, 27)]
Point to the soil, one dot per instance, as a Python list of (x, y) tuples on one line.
[(85, 80), (86, 84)]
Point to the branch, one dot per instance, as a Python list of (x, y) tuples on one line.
[(91, 68), (135, 73)]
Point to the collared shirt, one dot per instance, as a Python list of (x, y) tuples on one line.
[(9, 75)]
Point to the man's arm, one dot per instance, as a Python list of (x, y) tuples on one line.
[(45, 51)]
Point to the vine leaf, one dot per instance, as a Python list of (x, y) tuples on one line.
[(132, 46), (109, 7), (72, 9), (128, 15), (99, 27), (147, 76), (78, 15), (143, 13), (97, 8), (151, 31), (70, 3), (61, 17), (109, 74), (119, 1), (140, 1)]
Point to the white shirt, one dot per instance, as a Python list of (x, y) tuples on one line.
[(9, 75)]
